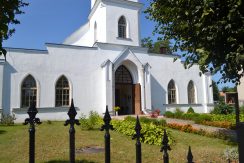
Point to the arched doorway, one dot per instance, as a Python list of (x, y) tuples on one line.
[(124, 97)]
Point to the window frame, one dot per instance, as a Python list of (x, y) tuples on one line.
[(63, 98), (122, 28), (191, 94), (26, 100), (172, 92)]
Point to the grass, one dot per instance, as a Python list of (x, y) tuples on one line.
[(52, 146)]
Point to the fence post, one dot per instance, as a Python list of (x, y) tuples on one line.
[(189, 156), (72, 121), (165, 147), (106, 127), (240, 137), (32, 111), (138, 142)]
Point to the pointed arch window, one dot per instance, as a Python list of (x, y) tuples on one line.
[(191, 93), (122, 27), (28, 91), (171, 92), (62, 92)]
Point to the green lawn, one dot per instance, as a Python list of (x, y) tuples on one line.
[(52, 146)]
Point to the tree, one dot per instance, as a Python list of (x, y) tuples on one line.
[(210, 32), (154, 47), (8, 10), (215, 91), (229, 89)]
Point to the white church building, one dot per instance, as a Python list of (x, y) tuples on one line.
[(101, 63)]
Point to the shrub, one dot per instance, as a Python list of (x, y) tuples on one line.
[(178, 113), (190, 110), (242, 109), (162, 122), (222, 124), (190, 116), (130, 118), (92, 122), (169, 114), (49, 122), (7, 120), (202, 117), (159, 122), (222, 108), (152, 134)]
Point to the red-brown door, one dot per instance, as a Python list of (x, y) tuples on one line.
[(137, 98)]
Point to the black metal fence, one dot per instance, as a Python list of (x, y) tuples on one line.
[(32, 120)]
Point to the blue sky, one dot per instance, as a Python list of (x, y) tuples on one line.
[(51, 21)]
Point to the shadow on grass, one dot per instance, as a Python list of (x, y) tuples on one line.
[(2, 131), (65, 161), (227, 134)]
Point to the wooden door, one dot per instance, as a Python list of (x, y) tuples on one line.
[(137, 98)]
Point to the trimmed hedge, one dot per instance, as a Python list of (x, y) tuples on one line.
[(160, 122)]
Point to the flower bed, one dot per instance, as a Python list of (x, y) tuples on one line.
[(189, 129), (217, 120)]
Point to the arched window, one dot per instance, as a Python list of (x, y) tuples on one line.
[(191, 93), (28, 91), (62, 92), (95, 32), (122, 75), (122, 27), (171, 92)]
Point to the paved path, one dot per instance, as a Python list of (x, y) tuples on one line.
[(231, 133)]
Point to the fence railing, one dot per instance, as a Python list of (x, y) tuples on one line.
[(32, 120)]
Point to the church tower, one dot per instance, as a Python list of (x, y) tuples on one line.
[(110, 21)]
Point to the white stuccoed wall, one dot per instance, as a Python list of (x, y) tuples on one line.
[(82, 67), (90, 68), (1, 83), (240, 90), (131, 13), (106, 14)]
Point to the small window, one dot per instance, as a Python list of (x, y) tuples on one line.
[(122, 27), (191, 93), (171, 92), (62, 92), (28, 92)]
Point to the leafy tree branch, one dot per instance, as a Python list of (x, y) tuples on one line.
[(211, 32), (8, 10)]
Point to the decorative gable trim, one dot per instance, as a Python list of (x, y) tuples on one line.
[(127, 54)]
